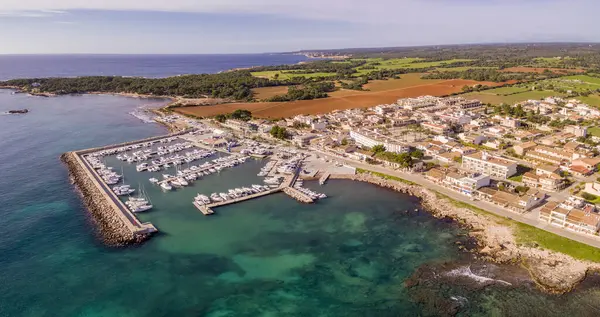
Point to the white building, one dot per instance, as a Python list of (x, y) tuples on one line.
[(495, 166), (370, 139)]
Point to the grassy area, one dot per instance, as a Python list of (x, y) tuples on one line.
[(527, 234), (516, 178), (385, 176), (283, 75), (461, 69), (595, 131), (592, 100), (488, 97)]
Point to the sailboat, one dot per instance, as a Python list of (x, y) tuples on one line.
[(140, 203)]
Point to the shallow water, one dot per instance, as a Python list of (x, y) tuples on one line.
[(347, 255)]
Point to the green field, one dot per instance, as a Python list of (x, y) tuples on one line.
[(592, 100), (283, 75), (487, 97), (461, 69), (578, 83)]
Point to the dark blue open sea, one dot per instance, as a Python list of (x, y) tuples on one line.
[(36, 66), (356, 253)]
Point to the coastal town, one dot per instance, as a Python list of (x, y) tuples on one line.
[(536, 159)]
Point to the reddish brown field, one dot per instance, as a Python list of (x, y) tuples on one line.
[(539, 70), (339, 100), (268, 92)]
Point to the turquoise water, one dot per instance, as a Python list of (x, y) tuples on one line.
[(348, 255)]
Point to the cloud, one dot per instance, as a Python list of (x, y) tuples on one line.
[(30, 13), (372, 11)]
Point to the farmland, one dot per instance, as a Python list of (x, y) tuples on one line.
[(540, 70), (410, 85), (371, 64), (489, 96)]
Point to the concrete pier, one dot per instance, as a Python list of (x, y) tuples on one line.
[(207, 209), (324, 178)]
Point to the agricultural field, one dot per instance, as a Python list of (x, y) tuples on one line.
[(461, 69), (377, 63), (592, 100), (268, 92), (540, 70), (283, 75), (488, 96), (577, 83), (382, 92)]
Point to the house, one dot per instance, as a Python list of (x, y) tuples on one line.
[(576, 130), (511, 122), (302, 140), (436, 128), (472, 138), (318, 125), (514, 202), (435, 175), (447, 157), (495, 166), (590, 164), (551, 182), (546, 170), (522, 148)]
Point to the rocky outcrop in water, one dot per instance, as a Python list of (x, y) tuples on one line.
[(553, 272), (110, 226)]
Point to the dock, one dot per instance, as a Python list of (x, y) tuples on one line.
[(324, 178), (207, 209)]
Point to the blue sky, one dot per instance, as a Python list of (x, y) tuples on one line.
[(243, 26)]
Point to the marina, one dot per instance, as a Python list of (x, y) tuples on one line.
[(280, 171)]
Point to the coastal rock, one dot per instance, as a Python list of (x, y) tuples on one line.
[(553, 272)]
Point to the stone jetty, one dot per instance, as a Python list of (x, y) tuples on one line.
[(297, 195), (553, 272)]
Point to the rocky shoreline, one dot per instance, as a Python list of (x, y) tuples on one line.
[(110, 226), (553, 272)]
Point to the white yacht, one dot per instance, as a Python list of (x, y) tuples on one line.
[(153, 180), (166, 186)]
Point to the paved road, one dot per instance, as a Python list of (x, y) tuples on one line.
[(529, 218)]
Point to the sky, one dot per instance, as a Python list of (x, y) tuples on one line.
[(257, 26)]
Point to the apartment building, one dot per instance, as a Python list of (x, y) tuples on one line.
[(466, 184), (369, 139), (571, 214), (549, 155), (494, 166)]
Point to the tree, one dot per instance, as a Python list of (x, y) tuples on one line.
[(221, 118), (379, 148), (279, 132), (344, 142), (418, 154)]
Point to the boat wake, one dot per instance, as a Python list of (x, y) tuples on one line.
[(465, 271)]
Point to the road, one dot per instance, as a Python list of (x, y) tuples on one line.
[(529, 218)]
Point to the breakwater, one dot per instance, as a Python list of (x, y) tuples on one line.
[(297, 195), (112, 228), (552, 272)]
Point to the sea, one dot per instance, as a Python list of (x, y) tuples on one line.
[(363, 251)]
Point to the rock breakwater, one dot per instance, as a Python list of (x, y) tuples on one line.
[(553, 272), (111, 227)]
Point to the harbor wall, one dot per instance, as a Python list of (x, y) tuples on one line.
[(112, 146), (111, 227)]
